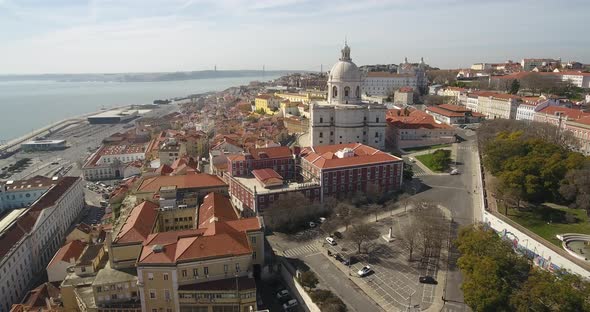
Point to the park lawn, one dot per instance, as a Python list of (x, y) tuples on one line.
[(427, 160), (423, 148), (549, 220)]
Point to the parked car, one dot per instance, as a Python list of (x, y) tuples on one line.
[(366, 270), (282, 294), (455, 172), (331, 241), (337, 235), (290, 304), (322, 219), (348, 261), (427, 280)]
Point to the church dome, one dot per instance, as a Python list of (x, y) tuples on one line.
[(345, 69)]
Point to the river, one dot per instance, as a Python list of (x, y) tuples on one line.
[(28, 105)]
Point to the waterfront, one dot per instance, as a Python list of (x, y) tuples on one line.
[(28, 105)]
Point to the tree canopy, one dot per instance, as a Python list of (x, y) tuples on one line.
[(531, 169), (497, 279)]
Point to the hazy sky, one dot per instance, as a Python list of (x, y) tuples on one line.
[(76, 36)]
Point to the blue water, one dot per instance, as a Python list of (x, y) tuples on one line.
[(28, 105)]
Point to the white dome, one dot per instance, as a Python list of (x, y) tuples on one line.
[(345, 71)]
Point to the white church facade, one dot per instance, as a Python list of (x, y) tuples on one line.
[(343, 118)]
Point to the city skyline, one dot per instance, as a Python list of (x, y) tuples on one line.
[(66, 36)]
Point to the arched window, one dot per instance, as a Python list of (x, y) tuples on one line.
[(334, 91), (357, 94), (346, 91)]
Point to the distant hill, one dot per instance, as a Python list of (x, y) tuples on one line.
[(149, 77)]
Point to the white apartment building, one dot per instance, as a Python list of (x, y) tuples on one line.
[(343, 118), (110, 161), (526, 111), (29, 237), (22, 193), (385, 83), (498, 105), (580, 80)]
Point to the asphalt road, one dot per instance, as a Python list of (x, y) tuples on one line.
[(331, 277), (457, 194)]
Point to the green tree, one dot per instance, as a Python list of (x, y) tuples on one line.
[(309, 280), (441, 159), (408, 172), (362, 233), (545, 291), (514, 87), (491, 269)]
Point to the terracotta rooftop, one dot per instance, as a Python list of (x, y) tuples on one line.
[(325, 157), (36, 182), (454, 108), (564, 111), (37, 299), (218, 206), (268, 177), (71, 250), (264, 153), (197, 180), (139, 224), (222, 241), (413, 119), (444, 112), (406, 89), (26, 222)]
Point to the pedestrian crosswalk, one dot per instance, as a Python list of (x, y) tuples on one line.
[(301, 250)]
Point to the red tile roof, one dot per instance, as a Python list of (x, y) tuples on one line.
[(569, 112), (34, 182), (195, 245), (218, 206), (139, 224), (413, 119), (198, 180), (324, 157), (264, 153), (406, 89), (268, 177), (71, 250), (454, 108), (444, 112)]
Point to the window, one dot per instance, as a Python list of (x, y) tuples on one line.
[(237, 267), (225, 268), (152, 294), (206, 270), (253, 239), (196, 272), (377, 119), (334, 91), (321, 120), (321, 134), (167, 294), (346, 91), (183, 273), (254, 255), (165, 276)]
